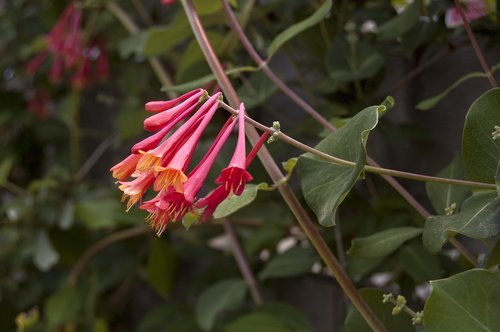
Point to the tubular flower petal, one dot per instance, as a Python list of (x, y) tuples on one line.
[(160, 105), (135, 189), (125, 168), (173, 172), (234, 177), (158, 121), (211, 201)]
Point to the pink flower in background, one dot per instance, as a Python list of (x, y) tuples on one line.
[(161, 163), (473, 10), (168, 2), (68, 53)]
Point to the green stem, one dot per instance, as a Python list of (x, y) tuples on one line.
[(372, 169), (276, 175)]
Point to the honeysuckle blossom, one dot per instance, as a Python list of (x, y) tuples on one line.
[(69, 55), (234, 177), (171, 205), (161, 163), (473, 10)]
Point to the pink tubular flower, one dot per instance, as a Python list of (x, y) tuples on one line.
[(126, 167), (135, 189), (173, 173), (167, 112), (234, 177), (210, 202), (473, 10), (170, 205)]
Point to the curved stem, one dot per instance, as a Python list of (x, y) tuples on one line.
[(475, 45), (276, 175), (372, 169), (100, 245)]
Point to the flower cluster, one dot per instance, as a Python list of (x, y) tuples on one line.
[(161, 163), (65, 46)]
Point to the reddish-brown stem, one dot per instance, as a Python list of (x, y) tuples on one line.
[(276, 175), (475, 45)]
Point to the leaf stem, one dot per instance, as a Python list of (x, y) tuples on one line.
[(372, 169), (475, 45), (276, 175)]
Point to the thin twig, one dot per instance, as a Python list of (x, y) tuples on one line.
[(94, 157), (475, 45), (242, 262)]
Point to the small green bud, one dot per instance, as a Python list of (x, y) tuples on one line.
[(496, 134), (401, 300), (418, 319), (451, 209), (274, 136), (396, 310), (386, 298)]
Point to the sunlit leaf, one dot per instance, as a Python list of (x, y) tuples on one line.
[(234, 203)]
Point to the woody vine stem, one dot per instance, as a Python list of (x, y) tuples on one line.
[(275, 173)]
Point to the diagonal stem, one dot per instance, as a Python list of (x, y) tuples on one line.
[(276, 175), (475, 45), (165, 79)]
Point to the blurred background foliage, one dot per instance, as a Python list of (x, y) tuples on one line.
[(71, 258)]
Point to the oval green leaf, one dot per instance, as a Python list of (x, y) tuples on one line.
[(225, 295), (383, 243), (468, 301), (293, 262), (480, 151)]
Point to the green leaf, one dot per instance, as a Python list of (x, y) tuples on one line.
[(497, 179), (468, 301), (44, 256), (324, 184), (289, 315), (344, 64), (133, 44), (162, 266), (442, 196), (494, 258), (63, 306), (383, 243), (402, 23), (354, 322), (97, 213), (481, 153), (418, 263), (478, 219), (206, 79), (224, 296), (297, 28), (5, 167), (257, 322), (293, 262), (234, 203), (429, 103)]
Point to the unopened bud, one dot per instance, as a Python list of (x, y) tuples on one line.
[(386, 298), (401, 300), (418, 319), (396, 310), (496, 134), (450, 209)]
